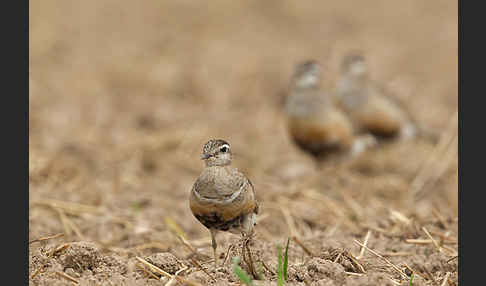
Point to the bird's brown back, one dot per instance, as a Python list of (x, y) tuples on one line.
[(381, 115), (315, 123), (371, 107)]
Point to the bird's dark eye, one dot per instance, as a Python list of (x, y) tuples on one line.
[(224, 149)]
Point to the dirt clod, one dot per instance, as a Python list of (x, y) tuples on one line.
[(165, 261), (371, 279), (80, 256)]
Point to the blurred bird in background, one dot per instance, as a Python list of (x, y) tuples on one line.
[(369, 105), (314, 122)]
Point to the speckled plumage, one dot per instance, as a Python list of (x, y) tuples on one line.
[(212, 145)]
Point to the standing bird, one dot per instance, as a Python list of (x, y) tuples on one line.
[(368, 105), (315, 124), (223, 198)]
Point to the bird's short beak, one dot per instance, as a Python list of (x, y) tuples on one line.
[(205, 156)]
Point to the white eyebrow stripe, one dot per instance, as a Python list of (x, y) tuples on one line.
[(225, 145)]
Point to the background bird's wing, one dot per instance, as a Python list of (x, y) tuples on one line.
[(395, 102)]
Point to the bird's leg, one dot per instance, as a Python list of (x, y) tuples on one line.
[(213, 238)]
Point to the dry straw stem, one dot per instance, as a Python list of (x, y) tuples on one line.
[(431, 238), (452, 258), (290, 221), (452, 251), (438, 160), (354, 262), (354, 273), (58, 249), (337, 257), (154, 244), (69, 207), (68, 277), (444, 164), (147, 272), (174, 227), (283, 206), (443, 236), (187, 245), (37, 271), (173, 280), (267, 268), (411, 270), (205, 241), (395, 282), (429, 276), (382, 231), (427, 241), (121, 221), (446, 278), (386, 260), (441, 219), (153, 267), (49, 256), (162, 272), (318, 199), (437, 245), (365, 243), (299, 243), (177, 231), (69, 225), (396, 215), (46, 238), (315, 196), (194, 261)]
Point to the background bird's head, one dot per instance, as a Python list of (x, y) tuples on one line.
[(354, 64), (307, 75), (216, 152)]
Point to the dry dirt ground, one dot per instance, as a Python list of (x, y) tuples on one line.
[(123, 94)]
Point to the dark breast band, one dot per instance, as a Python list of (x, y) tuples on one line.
[(215, 221)]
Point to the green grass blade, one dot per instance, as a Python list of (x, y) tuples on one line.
[(411, 280), (244, 278), (286, 260), (279, 267)]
